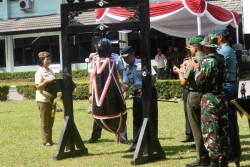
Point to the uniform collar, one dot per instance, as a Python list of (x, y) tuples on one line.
[(199, 54), (225, 44), (136, 61), (44, 69)]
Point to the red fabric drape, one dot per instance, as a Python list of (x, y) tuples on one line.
[(237, 17), (196, 6), (118, 11), (157, 9), (219, 13), (99, 12)]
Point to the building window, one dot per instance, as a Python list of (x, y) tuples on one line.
[(80, 47), (2, 53), (26, 49)]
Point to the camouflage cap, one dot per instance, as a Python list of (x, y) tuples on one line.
[(210, 41), (43, 54)]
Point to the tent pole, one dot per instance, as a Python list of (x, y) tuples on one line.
[(199, 25), (237, 35), (124, 37)]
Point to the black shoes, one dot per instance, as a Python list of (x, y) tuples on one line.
[(124, 142), (187, 140), (214, 165), (93, 140), (195, 164), (94, 137), (131, 149)]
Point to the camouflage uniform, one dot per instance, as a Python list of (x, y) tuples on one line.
[(214, 119)]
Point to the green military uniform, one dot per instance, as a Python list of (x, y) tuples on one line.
[(194, 109)]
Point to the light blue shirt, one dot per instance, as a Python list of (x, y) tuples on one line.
[(231, 61), (118, 61), (133, 74)]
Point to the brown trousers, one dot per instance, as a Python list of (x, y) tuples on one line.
[(47, 121)]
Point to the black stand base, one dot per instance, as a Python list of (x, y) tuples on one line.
[(148, 147), (70, 143)]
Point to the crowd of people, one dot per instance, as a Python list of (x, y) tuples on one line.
[(208, 75), (211, 80), (165, 62)]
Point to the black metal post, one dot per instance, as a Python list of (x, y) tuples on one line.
[(148, 147), (70, 143)]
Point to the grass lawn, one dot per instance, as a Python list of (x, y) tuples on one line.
[(20, 142)]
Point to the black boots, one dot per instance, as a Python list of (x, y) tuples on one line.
[(216, 163), (223, 162)]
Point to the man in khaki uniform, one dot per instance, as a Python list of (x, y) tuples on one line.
[(193, 101)]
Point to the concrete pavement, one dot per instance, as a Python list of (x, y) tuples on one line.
[(14, 95)]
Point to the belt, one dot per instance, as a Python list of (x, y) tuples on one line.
[(194, 90), (214, 93), (230, 81), (137, 90)]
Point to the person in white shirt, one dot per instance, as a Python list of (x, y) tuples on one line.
[(44, 76), (160, 60)]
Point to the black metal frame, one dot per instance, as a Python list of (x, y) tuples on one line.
[(148, 146)]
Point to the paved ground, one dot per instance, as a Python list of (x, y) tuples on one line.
[(13, 95)]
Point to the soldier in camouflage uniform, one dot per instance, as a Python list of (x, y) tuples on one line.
[(211, 75)]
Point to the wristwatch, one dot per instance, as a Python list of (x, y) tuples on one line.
[(90, 94)]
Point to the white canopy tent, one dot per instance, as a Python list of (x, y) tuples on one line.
[(183, 18)]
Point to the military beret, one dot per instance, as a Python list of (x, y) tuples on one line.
[(195, 40), (221, 31), (210, 41), (43, 54), (200, 36), (125, 51)]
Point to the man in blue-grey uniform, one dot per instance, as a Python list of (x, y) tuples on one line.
[(231, 89), (132, 75)]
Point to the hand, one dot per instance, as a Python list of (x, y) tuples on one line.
[(194, 63), (140, 94), (176, 70), (48, 81), (125, 95), (90, 99), (183, 68)]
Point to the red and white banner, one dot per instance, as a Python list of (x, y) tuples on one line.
[(184, 18)]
